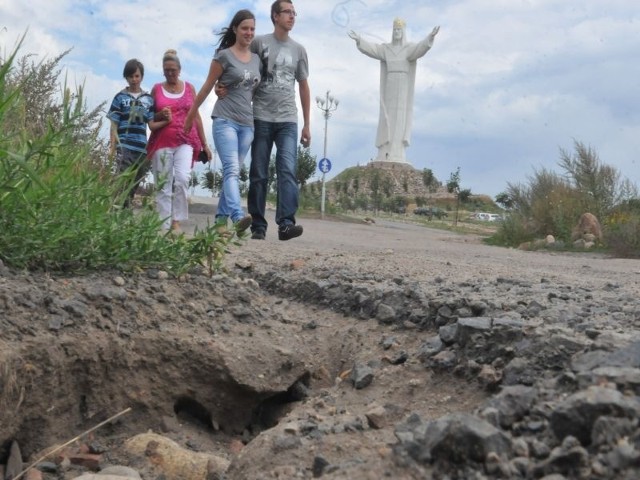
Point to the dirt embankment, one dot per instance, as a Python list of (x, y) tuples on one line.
[(355, 351)]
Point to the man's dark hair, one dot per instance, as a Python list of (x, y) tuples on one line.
[(275, 9), (131, 66)]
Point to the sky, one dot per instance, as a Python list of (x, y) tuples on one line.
[(507, 86)]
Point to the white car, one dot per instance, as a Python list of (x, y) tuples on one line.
[(488, 217)]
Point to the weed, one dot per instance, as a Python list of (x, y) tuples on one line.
[(60, 204)]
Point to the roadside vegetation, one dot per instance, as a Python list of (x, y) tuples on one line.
[(551, 203), (404, 195), (548, 203), (60, 204)]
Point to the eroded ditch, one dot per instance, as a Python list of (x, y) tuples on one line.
[(209, 362)]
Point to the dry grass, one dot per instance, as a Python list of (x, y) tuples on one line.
[(15, 375)]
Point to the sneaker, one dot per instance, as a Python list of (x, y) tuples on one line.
[(241, 225), (287, 232), (258, 235)]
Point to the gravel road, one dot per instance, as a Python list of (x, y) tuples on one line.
[(408, 250)]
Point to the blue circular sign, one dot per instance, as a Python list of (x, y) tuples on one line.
[(324, 165)]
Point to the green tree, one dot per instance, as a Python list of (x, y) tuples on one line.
[(374, 186), (505, 200), (243, 179), (211, 180), (387, 186), (193, 181), (346, 202), (429, 180), (362, 202), (306, 166), (421, 201), (462, 195), (600, 185), (397, 204)]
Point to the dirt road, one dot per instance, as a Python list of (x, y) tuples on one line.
[(411, 250), (330, 354)]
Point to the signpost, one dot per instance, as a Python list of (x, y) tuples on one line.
[(324, 165), (327, 104)]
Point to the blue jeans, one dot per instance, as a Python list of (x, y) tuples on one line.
[(285, 137), (232, 142)]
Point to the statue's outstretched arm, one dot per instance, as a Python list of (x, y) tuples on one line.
[(423, 46), (433, 34), (369, 49)]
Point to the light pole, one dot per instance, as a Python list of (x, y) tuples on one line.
[(327, 104)]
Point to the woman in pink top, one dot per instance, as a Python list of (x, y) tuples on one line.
[(172, 151)]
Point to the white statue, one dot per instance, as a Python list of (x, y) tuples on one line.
[(397, 80)]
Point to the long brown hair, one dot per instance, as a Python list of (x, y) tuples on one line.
[(227, 35)]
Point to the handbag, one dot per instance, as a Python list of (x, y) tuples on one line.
[(202, 157)]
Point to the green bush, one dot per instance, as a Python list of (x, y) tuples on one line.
[(552, 203), (621, 230), (309, 199), (60, 204), (512, 232), (623, 238)]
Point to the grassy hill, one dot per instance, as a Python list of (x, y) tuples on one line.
[(391, 186)]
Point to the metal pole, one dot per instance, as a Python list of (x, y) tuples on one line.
[(326, 125), (327, 105), (322, 201)]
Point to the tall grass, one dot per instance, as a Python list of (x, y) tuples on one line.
[(552, 203), (59, 202), (622, 229)]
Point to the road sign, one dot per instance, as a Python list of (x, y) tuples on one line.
[(324, 165)]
